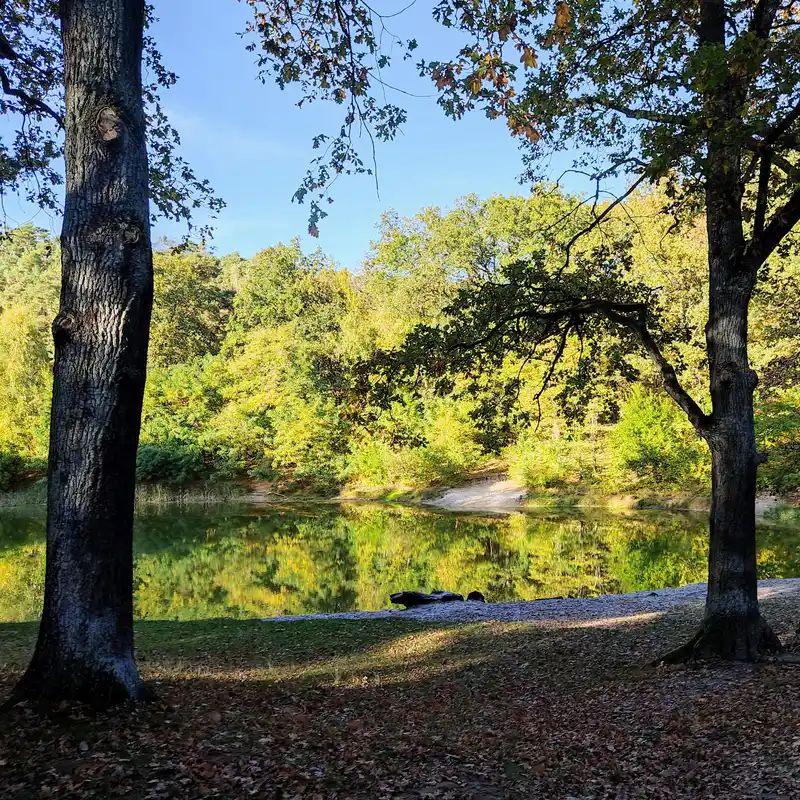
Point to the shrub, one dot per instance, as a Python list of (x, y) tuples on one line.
[(15, 468), (12, 470), (778, 433), (171, 463), (656, 442), (546, 463)]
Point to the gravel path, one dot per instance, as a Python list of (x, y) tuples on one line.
[(588, 609)]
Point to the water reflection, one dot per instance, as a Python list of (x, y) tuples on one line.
[(255, 562)]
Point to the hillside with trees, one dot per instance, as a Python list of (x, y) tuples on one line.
[(273, 368)]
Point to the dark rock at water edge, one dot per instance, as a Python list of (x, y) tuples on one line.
[(477, 597), (412, 599)]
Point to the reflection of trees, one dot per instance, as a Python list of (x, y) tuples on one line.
[(247, 562)]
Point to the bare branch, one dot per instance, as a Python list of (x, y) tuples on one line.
[(598, 219)]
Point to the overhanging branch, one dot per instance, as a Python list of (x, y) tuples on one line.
[(631, 316), (782, 222)]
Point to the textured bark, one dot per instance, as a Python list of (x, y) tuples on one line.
[(732, 625), (85, 645)]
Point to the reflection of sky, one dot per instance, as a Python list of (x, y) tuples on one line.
[(254, 144)]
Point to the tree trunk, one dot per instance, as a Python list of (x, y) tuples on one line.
[(732, 625), (85, 645)]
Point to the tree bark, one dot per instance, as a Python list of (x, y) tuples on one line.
[(732, 627), (85, 645)]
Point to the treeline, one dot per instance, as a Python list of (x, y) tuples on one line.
[(269, 368)]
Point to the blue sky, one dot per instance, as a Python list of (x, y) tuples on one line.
[(254, 145)]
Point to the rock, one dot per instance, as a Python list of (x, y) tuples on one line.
[(412, 599), (477, 597)]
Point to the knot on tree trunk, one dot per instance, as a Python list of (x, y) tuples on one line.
[(119, 232), (109, 125), (64, 325)]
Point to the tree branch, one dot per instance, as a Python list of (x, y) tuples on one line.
[(782, 222), (763, 17), (598, 219), (32, 103), (628, 315), (762, 197), (786, 166), (672, 386), (779, 129), (636, 113)]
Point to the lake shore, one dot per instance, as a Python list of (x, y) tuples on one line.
[(492, 493), (585, 610)]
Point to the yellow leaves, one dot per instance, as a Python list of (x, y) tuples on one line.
[(561, 24), (474, 83), (563, 15), (528, 57)]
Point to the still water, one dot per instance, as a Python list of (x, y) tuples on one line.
[(195, 563)]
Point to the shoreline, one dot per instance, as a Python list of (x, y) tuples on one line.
[(603, 609)]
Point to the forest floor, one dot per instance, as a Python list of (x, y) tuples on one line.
[(398, 708)]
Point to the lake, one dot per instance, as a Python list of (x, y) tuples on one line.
[(205, 562)]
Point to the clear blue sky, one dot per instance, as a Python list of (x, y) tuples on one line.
[(254, 145)]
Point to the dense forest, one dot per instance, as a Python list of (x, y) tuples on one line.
[(269, 368)]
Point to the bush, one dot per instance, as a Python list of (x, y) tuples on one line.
[(15, 468), (655, 441), (778, 433), (171, 463), (12, 470), (549, 463)]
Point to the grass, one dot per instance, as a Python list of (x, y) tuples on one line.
[(391, 708), (146, 494)]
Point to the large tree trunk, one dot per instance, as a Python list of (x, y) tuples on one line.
[(85, 645), (732, 625)]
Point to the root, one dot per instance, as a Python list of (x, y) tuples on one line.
[(722, 639), (98, 687)]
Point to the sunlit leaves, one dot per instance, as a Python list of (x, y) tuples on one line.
[(333, 51)]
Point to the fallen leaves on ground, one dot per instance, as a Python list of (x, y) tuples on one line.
[(388, 709)]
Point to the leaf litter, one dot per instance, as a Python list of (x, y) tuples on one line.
[(409, 710)]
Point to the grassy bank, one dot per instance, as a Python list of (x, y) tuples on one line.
[(391, 709), (146, 494)]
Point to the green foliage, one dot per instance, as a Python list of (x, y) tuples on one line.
[(655, 442), (547, 463), (283, 369), (12, 470), (190, 307), (778, 433), (167, 463)]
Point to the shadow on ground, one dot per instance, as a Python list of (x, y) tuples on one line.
[(388, 709)]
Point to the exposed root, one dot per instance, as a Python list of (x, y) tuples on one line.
[(726, 639), (99, 687)]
